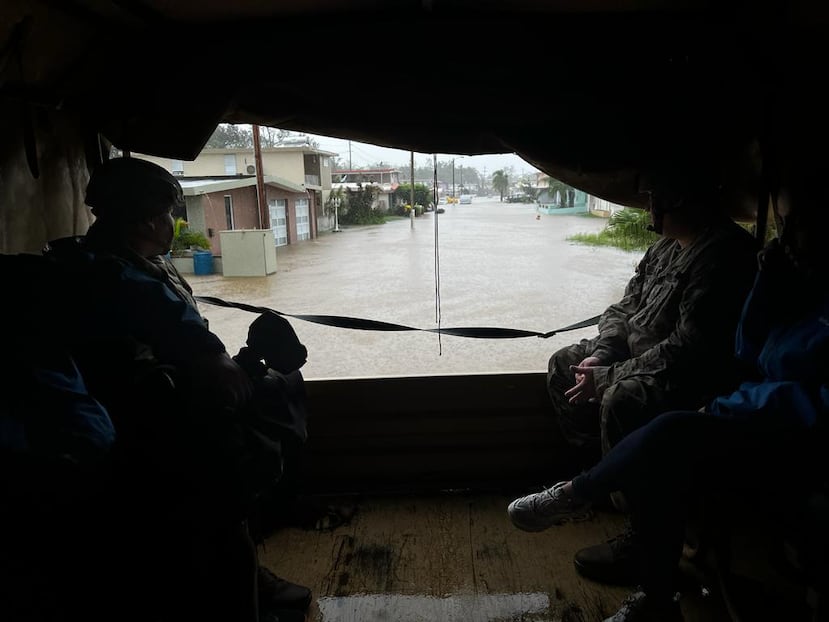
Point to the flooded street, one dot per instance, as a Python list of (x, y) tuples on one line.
[(499, 267)]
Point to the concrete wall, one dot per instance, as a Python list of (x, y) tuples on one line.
[(185, 265), (287, 163), (206, 213)]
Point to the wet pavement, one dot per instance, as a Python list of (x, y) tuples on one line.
[(500, 266)]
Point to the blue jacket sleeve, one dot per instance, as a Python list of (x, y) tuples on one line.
[(147, 310), (788, 339), (789, 399)]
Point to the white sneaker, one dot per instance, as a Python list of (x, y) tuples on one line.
[(551, 506)]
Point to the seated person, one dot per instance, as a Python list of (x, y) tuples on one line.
[(678, 313), (55, 443), (665, 345), (187, 458), (761, 437)]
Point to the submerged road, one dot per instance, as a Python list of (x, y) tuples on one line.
[(499, 266)]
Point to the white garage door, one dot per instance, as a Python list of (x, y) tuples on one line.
[(279, 222), (303, 219)]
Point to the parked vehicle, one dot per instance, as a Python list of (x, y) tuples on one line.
[(518, 197)]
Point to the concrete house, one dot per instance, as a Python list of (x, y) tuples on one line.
[(220, 191), (386, 180), (215, 204)]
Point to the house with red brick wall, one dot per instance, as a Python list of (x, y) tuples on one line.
[(214, 204), (291, 167)]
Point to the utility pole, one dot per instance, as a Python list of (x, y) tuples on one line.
[(411, 193), (435, 186), (453, 174), (260, 180)]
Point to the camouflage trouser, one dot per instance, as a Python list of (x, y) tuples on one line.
[(597, 426)]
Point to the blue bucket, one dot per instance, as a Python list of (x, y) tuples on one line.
[(202, 262)]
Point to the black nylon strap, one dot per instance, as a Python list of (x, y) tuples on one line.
[(342, 321)]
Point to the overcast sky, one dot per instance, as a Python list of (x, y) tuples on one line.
[(363, 154)]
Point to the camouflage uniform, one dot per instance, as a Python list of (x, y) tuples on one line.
[(667, 345)]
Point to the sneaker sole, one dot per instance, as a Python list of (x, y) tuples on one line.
[(535, 527)]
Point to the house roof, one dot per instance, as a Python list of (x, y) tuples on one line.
[(193, 186), (285, 149), (367, 170)]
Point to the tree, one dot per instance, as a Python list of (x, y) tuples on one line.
[(500, 182), (270, 136), (565, 192), (185, 240), (231, 136), (471, 176), (422, 195), (338, 164), (360, 207), (529, 190)]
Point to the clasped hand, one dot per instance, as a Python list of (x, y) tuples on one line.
[(224, 384), (585, 387)]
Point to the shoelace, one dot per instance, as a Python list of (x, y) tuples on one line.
[(623, 541), (546, 497)]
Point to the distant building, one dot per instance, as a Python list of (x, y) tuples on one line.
[(386, 180), (602, 207), (574, 201), (300, 182)]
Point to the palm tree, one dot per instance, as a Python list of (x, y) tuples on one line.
[(500, 182), (564, 191)]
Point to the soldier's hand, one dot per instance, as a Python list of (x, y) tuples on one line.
[(585, 389), (222, 382)]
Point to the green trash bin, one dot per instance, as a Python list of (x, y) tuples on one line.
[(202, 262)]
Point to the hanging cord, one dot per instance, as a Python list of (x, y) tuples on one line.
[(435, 200), (342, 321)]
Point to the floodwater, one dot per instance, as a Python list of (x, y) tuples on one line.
[(499, 266)]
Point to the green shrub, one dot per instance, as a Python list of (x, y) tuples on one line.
[(184, 239), (626, 229), (360, 207)]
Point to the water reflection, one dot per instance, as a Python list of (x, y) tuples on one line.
[(458, 608), (499, 267)]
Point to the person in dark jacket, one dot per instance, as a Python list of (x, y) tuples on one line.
[(174, 394), (766, 437)]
